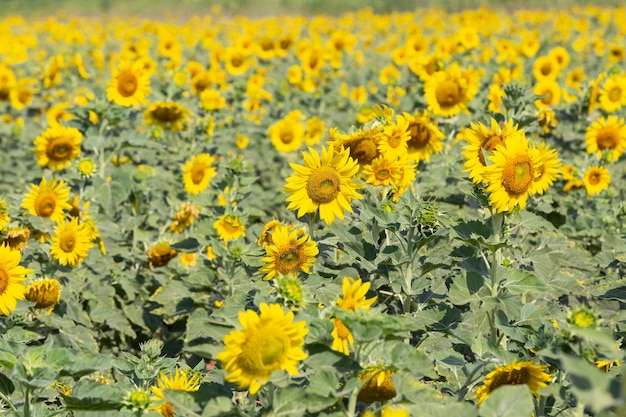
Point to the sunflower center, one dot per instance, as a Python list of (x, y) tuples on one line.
[(4, 279), (517, 174), (67, 243), (395, 140), (615, 94), (342, 331), (420, 135), (323, 185), (286, 136), (607, 138), (382, 174), (364, 150), (165, 114), (489, 145), (236, 62), (594, 178), (45, 204), (127, 84), (514, 377), (59, 149), (197, 173), (288, 260), (263, 350), (448, 93), (546, 69), (167, 410), (547, 96), (231, 224)]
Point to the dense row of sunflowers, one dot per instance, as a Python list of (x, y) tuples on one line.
[(406, 214)]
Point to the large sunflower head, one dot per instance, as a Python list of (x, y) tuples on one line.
[(11, 277), (534, 376), (425, 138), (57, 146), (606, 134), (170, 116), (446, 92), (129, 85), (377, 384), (383, 171), (325, 182), (198, 172), (48, 199), (269, 341), (289, 252), (70, 243)]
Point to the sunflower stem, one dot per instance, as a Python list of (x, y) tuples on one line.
[(27, 402), (312, 225), (497, 220), (408, 272), (9, 403)]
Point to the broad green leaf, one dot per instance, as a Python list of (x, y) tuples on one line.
[(508, 401)]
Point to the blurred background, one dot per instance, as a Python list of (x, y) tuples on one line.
[(267, 7)]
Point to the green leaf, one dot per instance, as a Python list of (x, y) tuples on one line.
[(6, 385), (508, 401), (94, 396), (332, 361), (190, 244), (519, 282), (323, 383)]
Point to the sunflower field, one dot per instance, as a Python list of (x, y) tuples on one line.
[(414, 213)]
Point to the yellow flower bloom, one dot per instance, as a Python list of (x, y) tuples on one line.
[(288, 253), (596, 180), (377, 386), (447, 92), (11, 277), (534, 376), (70, 242), (4, 214), (314, 131), (198, 172), (425, 138), (45, 293), (354, 294), (550, 90), (269, 342), (343, 340), (324, 183), (184, 217), (612, 95), (548, 170), (212, 100), (170, 116), (287, 134), (383, 171), (394, 139), (606, 134), (129, 85), (57, 146), (187, 381), (48, 199), (229, 227), (160, 254)]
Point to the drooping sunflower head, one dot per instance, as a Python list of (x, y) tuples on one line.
[(343, 340), (265, 238), (353, 295), (57, 146), (48, 199), (534, 376), (362, 143), (325, 182), (160, 254), (16, 237), (606, 134), (268, 342), (170, 116), (377, 384), (45, 293), (70, 243), (290, 289), (198, 172), (289, 253), (184, 217), (11, 277)]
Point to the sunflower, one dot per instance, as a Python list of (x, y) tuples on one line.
[(546, 118), (424, 136), (287, 134), (596, 179), (383, 171), (57, 146), (160, 254), (325, 183), (184, 217), (70, 242), (343, 340), (229, 227), (4, 214), (353, 293), (314, 131), (377, 384), (534, 376), (45, 293), (362, 144), (22, 94), (546, 68), (606, 134), (16, 237), (485, 139), (186, 381), (48, 199), (11, 277), (447, 92), (170, 116), (270, 341), (211, 99), (548, 171), (198, 172), (265, 239), (288, 253), (394, 139), (408, 173), (612, 96), (510, 177), (550, 92), (129, 85)]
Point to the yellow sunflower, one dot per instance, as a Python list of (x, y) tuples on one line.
[(447, 92), (325, 183), (4, 214), (198, 172), (160, 254), (70, 242), (129, 85), (548, 171), (596, 179), (289, 252), (48, 199), (314, 131), (383, 171), (170, 116), (613, 93), (45, 293), (180, 380), (270, 341), (546, 68), (425, 138), (550, 92), (377, 384), (362, 144), (353, 295), (343, 340), (606, 134), (408, 173), (11, 277), (534, 376), (485, 139), (394, 139), (510, 177), (287, 134), (57, 146), (16, 237), (229, 227), (265, 239)]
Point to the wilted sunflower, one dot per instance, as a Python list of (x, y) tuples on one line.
[(229, 227), (377, 386), (170, 116), (534, 376), (11, 277), (425, 138), (187, 381), (270, 341), (596, 179), (160, 254), (265, 238), (16, 237), (353, 295), (129, 85), (48, 199), (511, 176), (198, 172), (289, 252), (325, 183), (45, 293), (57, 146), (70, 243), (184, 217), (606, 134)]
